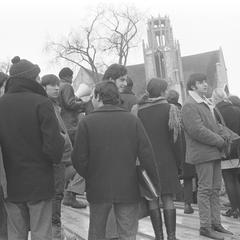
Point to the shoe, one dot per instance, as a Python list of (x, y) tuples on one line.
[(188, 208), (208, 232), (71, 201), (170, 223), (220, 228), (156, 220)]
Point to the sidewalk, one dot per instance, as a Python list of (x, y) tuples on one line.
[(75, 223)]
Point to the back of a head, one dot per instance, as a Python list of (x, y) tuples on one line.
[(114, 72), (107, 92), (219, 95), (50, 79), (65, 73), (156, 87), (172, 96), (22, 68), (195, 77)]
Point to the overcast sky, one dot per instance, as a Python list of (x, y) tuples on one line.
[(199, 25)]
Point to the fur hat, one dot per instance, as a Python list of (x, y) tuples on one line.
[(22, 68)]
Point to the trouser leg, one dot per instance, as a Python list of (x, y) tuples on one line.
[(205, 182), (17, 220), (215, 198), (98, 220), (41, 219), (127, 220), (3, 218), (188, 191), (230, 185)]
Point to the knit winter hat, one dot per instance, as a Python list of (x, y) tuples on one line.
[(23, 68)]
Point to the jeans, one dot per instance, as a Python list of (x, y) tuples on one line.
[(209, 186), (126, 219), (36, 216)]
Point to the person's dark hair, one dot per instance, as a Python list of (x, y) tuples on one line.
[(114, 72), (3, 78), (65, 72), (194, 78), (107, 92), (235, 100), (50, 79), (172, 96), (156, 87)]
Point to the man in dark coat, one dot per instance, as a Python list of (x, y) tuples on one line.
[(31, 143), (3, 180), (71, 107), (107, 144), (204, 149)]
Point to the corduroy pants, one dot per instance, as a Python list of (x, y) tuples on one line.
[(209, 186)]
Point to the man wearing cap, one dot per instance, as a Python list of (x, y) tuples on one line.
[(71, 107), (31, 143)]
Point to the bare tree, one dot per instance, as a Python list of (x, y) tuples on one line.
[(122, 26), (80, 49), (109, 36)]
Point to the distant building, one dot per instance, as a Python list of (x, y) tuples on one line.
[(162, 58)]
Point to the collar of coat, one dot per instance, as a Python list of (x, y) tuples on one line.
[(17, 85), (109, 108)]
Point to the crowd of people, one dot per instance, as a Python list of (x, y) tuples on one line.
[(55, 146)]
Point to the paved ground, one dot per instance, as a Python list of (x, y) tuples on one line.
[(75, 224)]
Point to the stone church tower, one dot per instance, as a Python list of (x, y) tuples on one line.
[(162, 57)]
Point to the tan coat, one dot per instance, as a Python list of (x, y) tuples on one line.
[(202, 133)]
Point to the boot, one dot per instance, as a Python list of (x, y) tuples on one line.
[(170, 223), (156, 219), (70, 200), (188, 208)]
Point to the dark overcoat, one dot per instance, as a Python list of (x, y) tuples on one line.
[(70, 106), (107, 144), (30, 141), (231, 116), (155, 119)]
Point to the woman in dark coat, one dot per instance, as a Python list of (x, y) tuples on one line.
[(230, 172), (162, 123), (188, 172)]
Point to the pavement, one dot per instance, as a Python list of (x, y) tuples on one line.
[(75, 225)]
